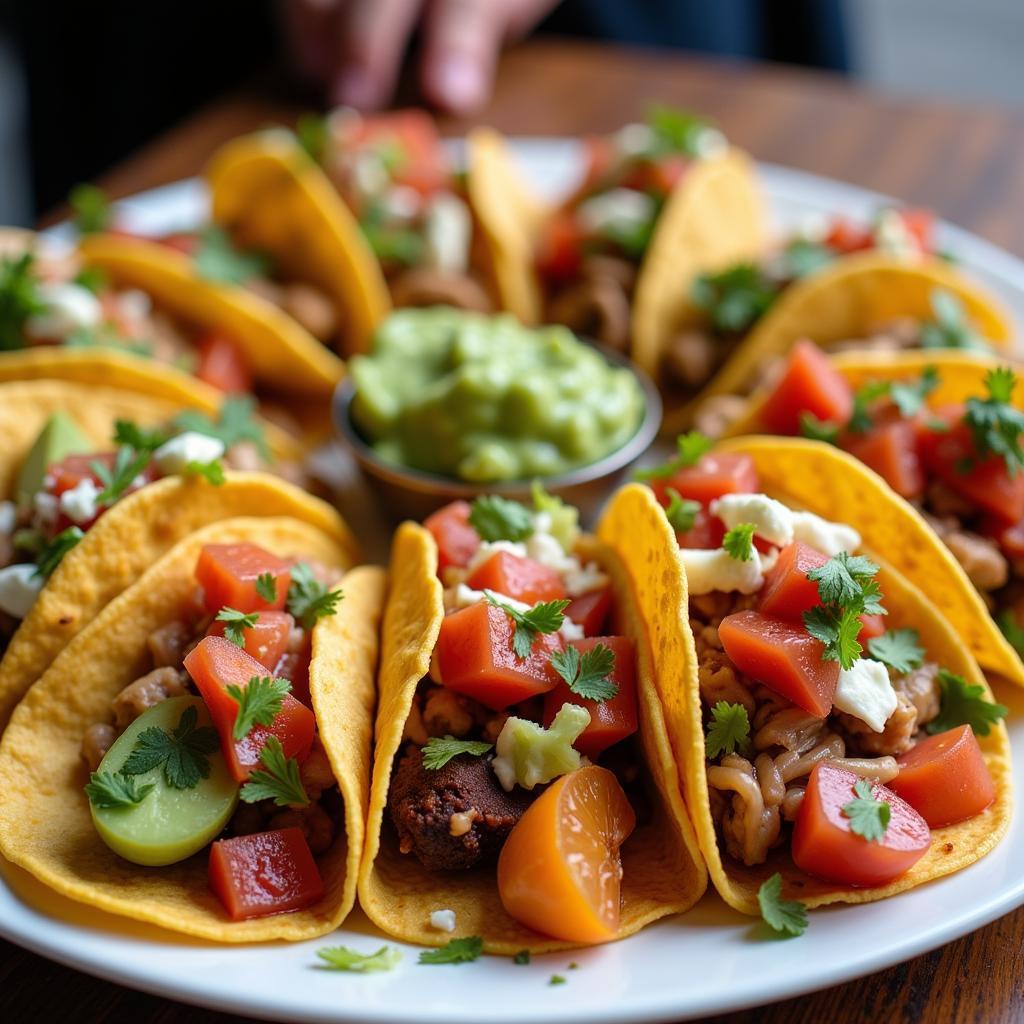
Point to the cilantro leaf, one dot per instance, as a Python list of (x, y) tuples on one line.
[(739, 542), (235, 625), (266, 587), (690, 449), (236, 423), (736, 297), (964, 704), (308, 599), (217, 259), (838, 630), (546, 617), (897, 648), (522, 957), (51, 555), (183, 753), (587, 675), (786, 917), (312, 134), (869, 817), (909, 396), (818, 430), (91, 278), (840, 578), (1012, 631), (440, 750), (681, 512), (950, 327), (109, 789), (128, 464), (678, 131), (342, 958), (131, 435), (19, 299), (212, 472), (279, 779), (728, 730), (556, 979), (457, 951), (90, 208), (496, 518), (860, 419), (259, 702), (802, 257), (995, 424)]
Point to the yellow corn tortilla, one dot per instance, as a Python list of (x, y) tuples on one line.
[(45, 824), (283, 356), (270, 195), (635, 525), (126, 540), (662, 871)]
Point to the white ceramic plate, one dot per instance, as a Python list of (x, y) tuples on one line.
[(709, 961)]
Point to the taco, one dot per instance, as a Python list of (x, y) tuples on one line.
[(830, 726), (96, 483), (943, 429), (199, 758), (886, 288), (545, 664)]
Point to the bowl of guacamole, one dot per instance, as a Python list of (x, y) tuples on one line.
[(451, 404)]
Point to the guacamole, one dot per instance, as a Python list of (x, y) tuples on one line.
[(484, 399)]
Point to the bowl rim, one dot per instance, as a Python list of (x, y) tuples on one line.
[(642, 438)]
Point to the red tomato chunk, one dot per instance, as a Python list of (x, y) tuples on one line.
[(475, 657), (519, 578), (891, 451), (824, 846), (787, 592), (710, 478), (590, 610), (267, 640), (457, 541), (228, 573), (809, 384), (264, 873)]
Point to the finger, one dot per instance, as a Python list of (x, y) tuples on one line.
[(372, 41)]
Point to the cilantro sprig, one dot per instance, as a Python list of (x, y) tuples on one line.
[(677, 131), (90, 208), (259, 702), (19, 299), (236, 423), (278, 780), (587, 675), (994, 422), (963, 703), (107, 790), (131, 435), (728, 730), (344, 958), (312, 133), (266, 587), (439, 750), (736, 297), (847, 589), (236, 623), (690, 448), (868, 817), (785, 917), (128, 464), (457, 951), (218, 259), (309, 600), (681, 512), (818, 430), (739, 542), (802, 257), (496, 518), (897, 648), (950, 327), (546, 617), (184, 753), (53, 553)]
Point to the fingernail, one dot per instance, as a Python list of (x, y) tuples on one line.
[(460, 83), (353, 87)]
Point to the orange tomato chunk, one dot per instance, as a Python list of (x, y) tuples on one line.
[(223, 365), (713, 476), (228, 573), (520, 578), (267, 640), (891, 451), (787, 592), (590, 610), (457, 541)]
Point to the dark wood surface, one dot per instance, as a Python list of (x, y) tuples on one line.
[(964, 162)]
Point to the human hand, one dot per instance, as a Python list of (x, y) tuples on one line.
[(354, 48)]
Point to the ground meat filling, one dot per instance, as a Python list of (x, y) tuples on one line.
[(455, 817), (598, 303), (755, 797)]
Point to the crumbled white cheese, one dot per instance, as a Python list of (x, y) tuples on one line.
[(67, 308), (622, 208), (447, 233), (175, 455), (46, 508), (894, 237), (634, 139), (19, 588), (771, 519), (79, 503), (584, 579), (708, 570), (464, 597), (369, 176), (544, 548), (401, 203), (491, 547), (443, 920), (866, 692), (8, 516), (829, 538)]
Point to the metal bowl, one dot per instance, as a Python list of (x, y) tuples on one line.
[(412, 494)]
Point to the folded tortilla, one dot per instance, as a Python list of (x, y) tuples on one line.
[(45, 823), (662, 869), (636, 527)]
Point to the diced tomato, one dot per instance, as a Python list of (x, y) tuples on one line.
[(870, 627), (590, 610), (945, 778), (783, 656), (186, 242), (599, 156), (891, 451), (267, 640), (520, 578), (420, 160), (560, 249), (222, 364), (660, 176), (294, 666), (611, 721), (707, 532), (921, 224), (228, 573), (787, 592), (713, 476), (809, 384), (951, 456), (264, 873), (475, 656), (846, 236), (67, 474), (823, 845), (215, 664), (457, 541)]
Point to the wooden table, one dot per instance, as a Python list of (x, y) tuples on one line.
[(963, 162)]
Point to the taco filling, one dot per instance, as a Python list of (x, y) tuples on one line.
[(65, 485), (830, 730), (215, 744), (591, 248)]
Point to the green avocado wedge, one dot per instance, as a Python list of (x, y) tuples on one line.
[(59, 438), (168, 824)]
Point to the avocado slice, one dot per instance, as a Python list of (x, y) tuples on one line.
[(59, 438)]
